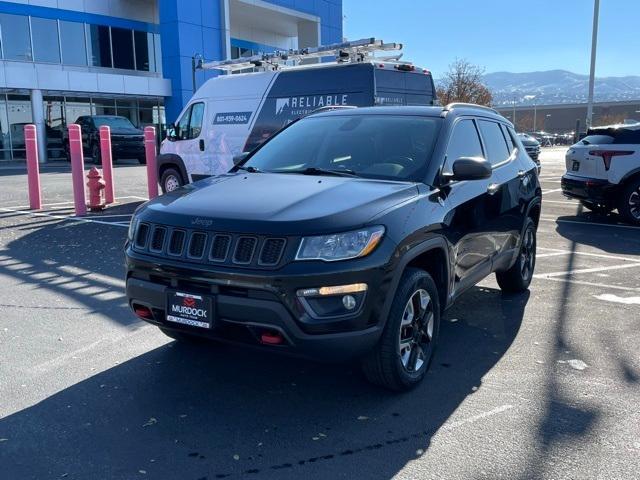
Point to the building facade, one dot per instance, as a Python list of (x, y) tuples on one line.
[(60, 59)]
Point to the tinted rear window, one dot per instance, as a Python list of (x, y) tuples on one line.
[(494, 141), (624, 136)]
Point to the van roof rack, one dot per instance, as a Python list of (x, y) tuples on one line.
[(346, 52)]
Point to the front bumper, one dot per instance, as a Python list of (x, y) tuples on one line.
[(128, 150), (589, 189), (248, 303)]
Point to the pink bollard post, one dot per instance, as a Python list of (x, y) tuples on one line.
[(107, 163), (152, 170), (77, 169), (33, 168)]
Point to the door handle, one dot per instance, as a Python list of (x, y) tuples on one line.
[(493, 188), (201, 143)]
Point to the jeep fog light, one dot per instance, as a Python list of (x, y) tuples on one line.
[(323, 302)]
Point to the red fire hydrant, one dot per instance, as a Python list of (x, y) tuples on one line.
[(96, 190)]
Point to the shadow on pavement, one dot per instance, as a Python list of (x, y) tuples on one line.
[(210, 411)]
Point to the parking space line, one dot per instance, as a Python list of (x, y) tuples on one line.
[(57, 204), (589, 284), (59, 217), (587, 270), (544, 192), (588, 254), (569, 203), (557, 220)]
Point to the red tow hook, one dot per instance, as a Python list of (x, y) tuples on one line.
[(143, 312), (272, 338)]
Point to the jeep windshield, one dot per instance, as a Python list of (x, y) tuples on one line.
[(391, 147)]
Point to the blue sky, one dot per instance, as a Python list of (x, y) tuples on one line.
[(503, 35)]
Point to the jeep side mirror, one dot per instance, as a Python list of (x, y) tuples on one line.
[(240, 158), (471, 168)]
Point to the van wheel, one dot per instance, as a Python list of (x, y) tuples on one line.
[(171, 180), (518, 278), (629, 206), (402, 356)]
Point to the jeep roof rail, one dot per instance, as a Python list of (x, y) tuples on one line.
[(357, 51), (453, 105), (329, 108)]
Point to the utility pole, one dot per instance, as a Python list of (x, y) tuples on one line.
[(592, 73)]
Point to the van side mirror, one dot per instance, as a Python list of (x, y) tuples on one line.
[(471, 168), (240, 158), (172, 133)]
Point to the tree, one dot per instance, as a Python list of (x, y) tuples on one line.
[(463, 83)]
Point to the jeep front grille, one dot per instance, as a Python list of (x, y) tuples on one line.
[(249, 251)]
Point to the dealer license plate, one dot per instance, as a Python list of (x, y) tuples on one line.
[(576, 166), (190, 309)]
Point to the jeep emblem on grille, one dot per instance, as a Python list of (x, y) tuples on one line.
[(202, 222)]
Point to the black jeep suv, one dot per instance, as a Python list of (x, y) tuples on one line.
[(347, 234)]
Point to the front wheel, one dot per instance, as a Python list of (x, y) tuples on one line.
[(405, 350), (171, 180), (629, 206), (518, 278)]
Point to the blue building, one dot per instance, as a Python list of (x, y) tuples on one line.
[(64, 58)]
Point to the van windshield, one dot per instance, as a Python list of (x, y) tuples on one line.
[(391, 147)]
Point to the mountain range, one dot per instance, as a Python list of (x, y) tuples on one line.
[(558, 86)]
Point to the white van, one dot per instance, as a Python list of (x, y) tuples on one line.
[(233, 114)]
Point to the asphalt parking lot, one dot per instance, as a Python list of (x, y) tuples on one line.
[(540, 385)]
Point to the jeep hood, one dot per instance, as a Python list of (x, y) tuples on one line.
[(283, 204)]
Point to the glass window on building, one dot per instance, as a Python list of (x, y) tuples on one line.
[(5, 139), (54, 125), (122, 41), (104, 106), (158, 52), (99, 46), (76, 107), (128, 109), (44, 33), (16, 39), (145, 57), (19, 115), (72, 42)]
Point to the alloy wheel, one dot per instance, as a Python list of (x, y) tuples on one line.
[(171, 183), (527, 254), (416, 331), (634, 204)]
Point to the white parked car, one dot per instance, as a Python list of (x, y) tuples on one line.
[(603, 171)]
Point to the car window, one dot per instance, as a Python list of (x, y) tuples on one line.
[(195, 123), (510, 143), (494, 142), (393, 147), (464, 142), (597, 140), (182, 127)]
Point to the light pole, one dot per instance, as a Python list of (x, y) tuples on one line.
[(535, 109), (592, 73)]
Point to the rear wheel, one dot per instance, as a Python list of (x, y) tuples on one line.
[(405, 350), (518, 278), (629, 206), (170, 180)]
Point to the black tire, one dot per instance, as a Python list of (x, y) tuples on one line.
[(181, 336), (596, 208), (142, 160), (385, 365), (96, 154), (629, 206), (170, 180), (518, 278)]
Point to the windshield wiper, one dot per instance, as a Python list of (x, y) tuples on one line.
[(249, 169), (322, 171)]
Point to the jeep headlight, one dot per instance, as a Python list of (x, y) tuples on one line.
[(340, 246), (132, 227)]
